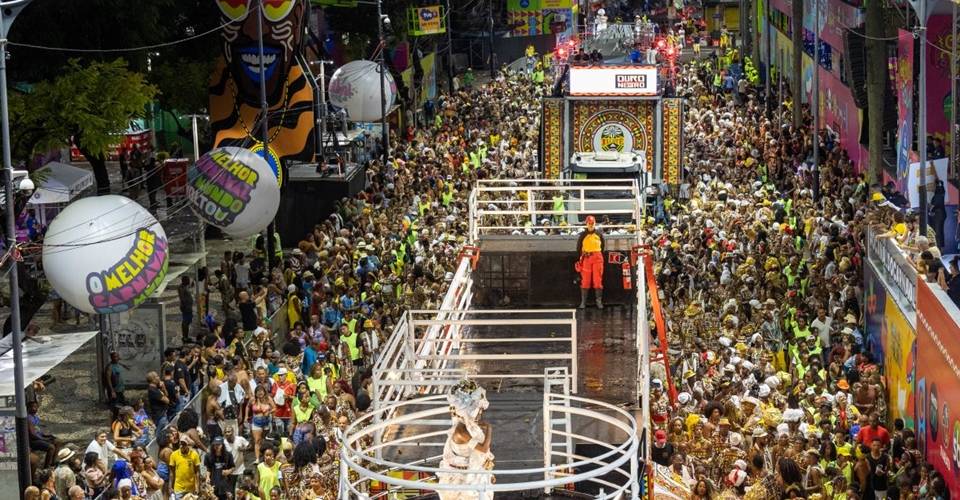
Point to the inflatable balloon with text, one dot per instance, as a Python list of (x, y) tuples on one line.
[(105, 254), (235, 190), (355, 87)]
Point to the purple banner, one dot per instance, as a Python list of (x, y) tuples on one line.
[(904, 86)]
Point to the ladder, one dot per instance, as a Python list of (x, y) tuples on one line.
[(557, 431)]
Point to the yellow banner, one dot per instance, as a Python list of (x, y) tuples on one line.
[(429, 18), (556, 4), (898, 363)]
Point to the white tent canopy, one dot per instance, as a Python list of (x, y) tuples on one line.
[(61, 183)]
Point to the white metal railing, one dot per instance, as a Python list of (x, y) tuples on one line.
[(439, 352), (398, 364), (504, 206), (556, 382), (425, 422)]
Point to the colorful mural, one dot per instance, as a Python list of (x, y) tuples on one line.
[(940, 37), (938, 383), (899, 363), (614, 126), (875, 303), (235, 83), (904, 86), (552, 138), (672, 112)]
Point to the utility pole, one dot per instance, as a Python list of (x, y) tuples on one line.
[(449, 23), (921, 8), (265, 132), (9, 9), (203, 226), (384, 135), (767, 38), (493, 65), (815, 101)]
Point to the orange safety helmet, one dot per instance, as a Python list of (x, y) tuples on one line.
[(591, 220)]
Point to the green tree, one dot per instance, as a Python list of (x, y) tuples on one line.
[(90, 104)]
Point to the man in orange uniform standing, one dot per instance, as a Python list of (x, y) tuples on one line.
[(590, 248)]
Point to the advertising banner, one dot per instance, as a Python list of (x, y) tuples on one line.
[(875, 298), (428, 20), (904, 86), (938, 383), (939, 35), (613, 81), (899, 348), (898, 274), (525, 16), (936, 169)]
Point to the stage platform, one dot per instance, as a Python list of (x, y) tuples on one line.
[(309, 197)]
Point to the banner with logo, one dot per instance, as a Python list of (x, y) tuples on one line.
[(899, 349), (525, 17), (428, 20), (609, 125), (938, 382), (904, 85), (672, 119)]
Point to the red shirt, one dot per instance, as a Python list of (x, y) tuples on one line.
[(869, 433)]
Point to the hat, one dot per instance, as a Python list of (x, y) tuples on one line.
[(124, 483), (764, 390), (843, 450), (683, 398), (750, 399), (759, 432), (843, 385), (64, 454), (847, 330), (286, 444), (813, 452), (877, 196), (291, 288), (736, 477), (740, 464), (660, 436), (282, 371), (792, 415), (218, 440), (850, 318), (724, 421)]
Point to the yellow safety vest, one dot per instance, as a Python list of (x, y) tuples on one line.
[(318, 386), (351, 341)]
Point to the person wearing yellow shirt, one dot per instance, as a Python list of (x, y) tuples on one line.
[(184, 466), (590, 265)]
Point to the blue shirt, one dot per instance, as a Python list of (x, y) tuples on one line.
[(309, 358)]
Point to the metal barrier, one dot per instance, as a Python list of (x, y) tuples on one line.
[(398, 365), (425, 422), (522, 204)]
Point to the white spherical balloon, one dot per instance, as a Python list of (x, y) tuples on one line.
[(105, 254), (235, 190), (355, 87)]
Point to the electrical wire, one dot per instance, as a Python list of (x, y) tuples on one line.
[(253, 10)]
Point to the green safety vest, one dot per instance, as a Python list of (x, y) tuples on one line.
[(318, 385), (475, 159), (351, 341), (352, 325), (438, 120), (558, 203), (422, 208), (302, 415), (483, 152), (446, 198), (538, 76)]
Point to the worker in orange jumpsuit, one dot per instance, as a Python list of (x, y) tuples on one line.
[(590, 265)]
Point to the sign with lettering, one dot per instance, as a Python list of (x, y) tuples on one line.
[(613, 80), (891, 264)]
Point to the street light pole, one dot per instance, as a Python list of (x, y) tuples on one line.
[(449, 23), (921, 8), (8, 13), (815, 104), (384, 135), (268, 249)]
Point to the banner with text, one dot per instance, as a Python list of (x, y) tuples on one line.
[(938, 382)]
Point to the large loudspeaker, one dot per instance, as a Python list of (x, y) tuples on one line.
[(854, 50)]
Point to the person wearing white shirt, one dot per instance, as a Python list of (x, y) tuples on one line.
[(106, 451), (821, 325), (231, 400), (235, 446)]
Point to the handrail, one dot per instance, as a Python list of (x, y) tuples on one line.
[(358, 455)]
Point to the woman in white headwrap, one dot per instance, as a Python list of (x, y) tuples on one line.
[(468, 444)]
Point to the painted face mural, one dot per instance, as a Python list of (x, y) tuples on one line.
[(235, 84), (282, 34)]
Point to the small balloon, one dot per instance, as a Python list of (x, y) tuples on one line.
[(105, 254), (235, 190), (355, 87)]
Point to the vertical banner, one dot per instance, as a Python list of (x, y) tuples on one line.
[(672, 139), (139, 336), (552, 138), (875, 298), (938, 382), (899, 348), (904, 85), (940, 37)]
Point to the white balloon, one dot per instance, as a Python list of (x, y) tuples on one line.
[(235, 190), (355, 87), (105, 254)]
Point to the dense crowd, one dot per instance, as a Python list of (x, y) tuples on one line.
[(778, 394), (271, 404)]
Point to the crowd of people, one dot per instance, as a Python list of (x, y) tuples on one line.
[(777, 392), (272, 402)]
